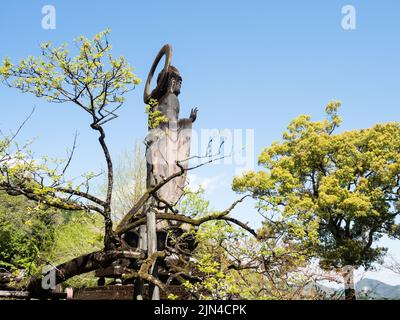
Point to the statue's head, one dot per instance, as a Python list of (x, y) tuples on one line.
[(175, 80), (169, 82)]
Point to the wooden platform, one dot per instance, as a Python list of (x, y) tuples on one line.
[(110, 292)]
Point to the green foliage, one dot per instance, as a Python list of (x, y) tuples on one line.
[(334, 193), (210, 260), (32, 236), (193, 203), (95, 81), (231, 264), (92, 79), (78, 233), (26, 233), (37, 178), (156, 118)]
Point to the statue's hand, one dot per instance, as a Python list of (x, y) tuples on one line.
[(193, 114)]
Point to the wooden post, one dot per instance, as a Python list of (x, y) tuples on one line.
[(139, 285), (154, 291)]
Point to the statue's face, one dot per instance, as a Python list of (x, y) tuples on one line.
[(176, 87)]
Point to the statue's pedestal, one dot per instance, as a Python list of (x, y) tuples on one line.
[(124, 292), (110, 292)]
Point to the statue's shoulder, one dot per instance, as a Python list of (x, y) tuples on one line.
[(171, 98)]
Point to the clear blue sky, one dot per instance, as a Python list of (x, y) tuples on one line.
[(245, 64)]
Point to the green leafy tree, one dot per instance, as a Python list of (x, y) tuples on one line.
[(75, 235), (32, 236), (336, 193), (26, 234), (94, 81)]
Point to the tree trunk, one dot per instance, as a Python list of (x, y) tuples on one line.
[(82, 264), (348, 277)]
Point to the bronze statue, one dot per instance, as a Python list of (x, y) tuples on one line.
[(170, 141), (167, 144), (167, 153)]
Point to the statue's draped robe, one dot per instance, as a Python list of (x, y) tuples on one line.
[(166, 145)]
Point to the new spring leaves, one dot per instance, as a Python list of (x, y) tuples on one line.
[(92, 79)]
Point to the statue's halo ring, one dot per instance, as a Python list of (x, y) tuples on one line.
[(167, 51)]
